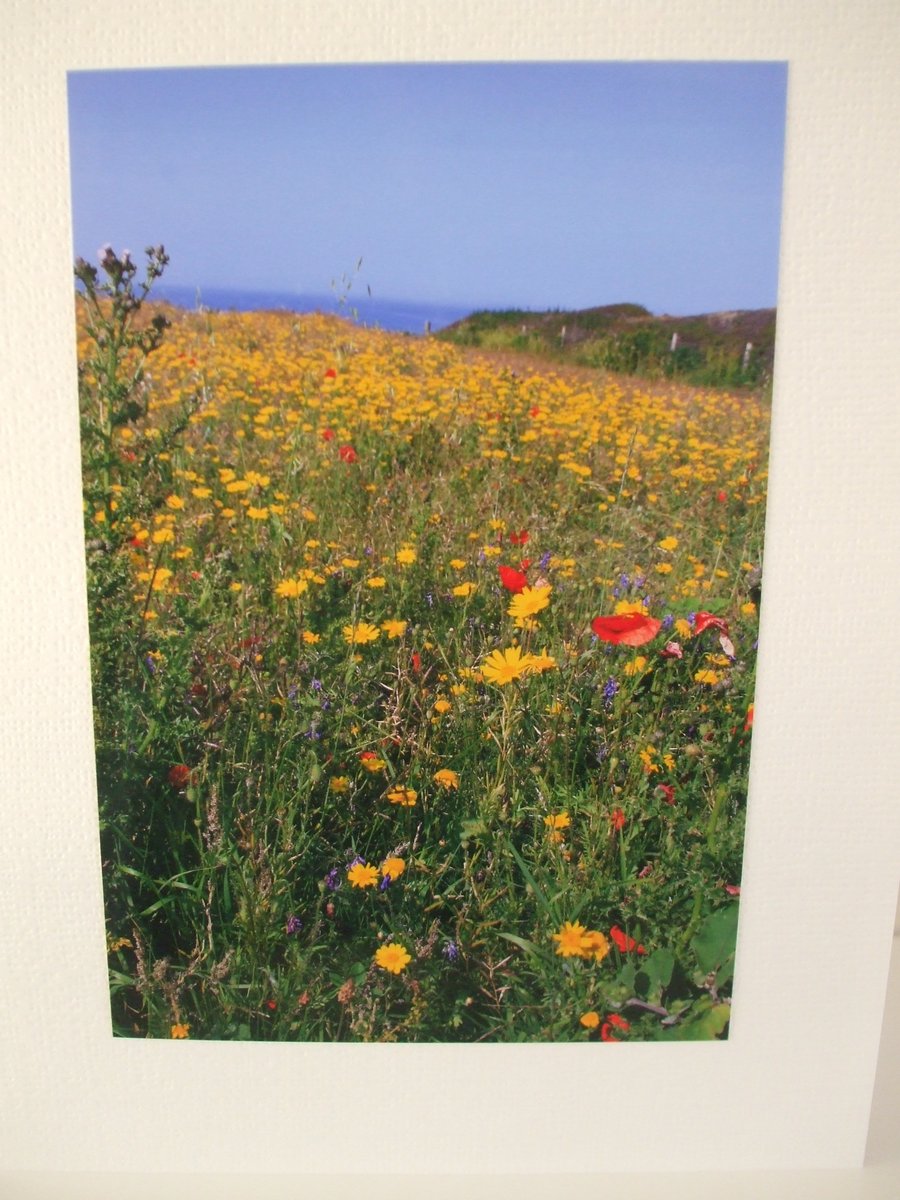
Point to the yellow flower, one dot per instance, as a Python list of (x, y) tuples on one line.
[(373, 764), (257, 514), (310, 638), (446, 778), (394, 629), (406, 797), (529, 601), (291, 588), (349, 563), (175, 502), (669, 543), (406, 557), (457, 563), (159, 536), (571, 940), (708, 677), (179, 1030), (441, 706), (376, 581), (465, 589), (503, 666), (161, 577), (596, 945), (340, 783), (392, 957), (359, 635), (239, 485), (361, 875), (748, 609), (624, 607), (393, 867), (664, 568), (590, 1020), (542, 661), (635, 666), (683, 627), (558, 820)]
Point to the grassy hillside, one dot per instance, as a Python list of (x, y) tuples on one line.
[(706, 350)]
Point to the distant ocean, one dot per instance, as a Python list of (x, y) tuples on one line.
[(397, 316)]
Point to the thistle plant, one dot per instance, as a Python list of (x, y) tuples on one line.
[(111, 374)]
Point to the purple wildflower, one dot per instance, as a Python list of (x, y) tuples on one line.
[(332, 879), (609, 690), (544, 563), (668, 621), (451, 952), (294, 925)]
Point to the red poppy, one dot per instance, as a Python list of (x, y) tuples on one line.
[(623, 942), (525, 564), (327, 435), (613, 1022), (732, 889), (748, 720), (347, 454), (520, 538), (706, 620), (331, 373), (629, 629), (416, 661), (271, 1005), (617, 818), (668, 792), (514, 581), (721, 497), (180, 775), (366, 754), (534, 412)]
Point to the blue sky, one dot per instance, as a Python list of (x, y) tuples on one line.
[(528, 185)]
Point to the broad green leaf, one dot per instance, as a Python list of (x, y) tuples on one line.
[(714, 941), (654, 973), (522, 943)]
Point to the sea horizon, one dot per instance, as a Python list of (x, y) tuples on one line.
[(395, 316)]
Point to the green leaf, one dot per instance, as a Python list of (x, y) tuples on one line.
[(655, 973), (546, 906), (707, 1022), (522, 943), (714, 942), (470, 830)]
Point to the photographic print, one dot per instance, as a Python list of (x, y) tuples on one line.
[(424, 423)]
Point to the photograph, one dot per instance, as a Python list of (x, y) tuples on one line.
[(424, 425)]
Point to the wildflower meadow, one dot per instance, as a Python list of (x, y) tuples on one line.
[(423, 679)]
